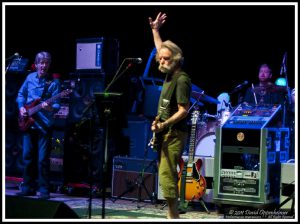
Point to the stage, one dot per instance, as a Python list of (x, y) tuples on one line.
[(118, 209), (78, 205)]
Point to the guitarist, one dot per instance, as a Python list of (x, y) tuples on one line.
[(37, 138), (171, 128)]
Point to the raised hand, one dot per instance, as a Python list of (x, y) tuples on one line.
[(158, 22)]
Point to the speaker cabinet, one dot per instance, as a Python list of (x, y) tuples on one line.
[(13, 82), (13, 153), (138, 132), (29, 208), (81, 159), (129, 173), (97, 55), (13, 137), (83, 95)]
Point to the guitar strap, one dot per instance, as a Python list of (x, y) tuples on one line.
[(45, 91), (164, 109), (43, 126)]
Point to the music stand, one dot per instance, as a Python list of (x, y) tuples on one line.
[(106, 104)]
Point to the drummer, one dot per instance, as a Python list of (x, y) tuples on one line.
[(265, 92)]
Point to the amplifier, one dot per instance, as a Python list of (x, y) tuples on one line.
[(207, 171), (128, 176), (97, 55)]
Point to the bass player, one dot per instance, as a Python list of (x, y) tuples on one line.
[(37, 87)]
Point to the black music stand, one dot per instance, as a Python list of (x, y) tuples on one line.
[(107, 104)]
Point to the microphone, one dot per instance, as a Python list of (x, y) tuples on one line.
[(134, 60), (15, 55), (283, 68), (240, 86)]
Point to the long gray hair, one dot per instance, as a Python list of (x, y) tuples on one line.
[(176, 51)]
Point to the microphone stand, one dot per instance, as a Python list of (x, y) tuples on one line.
[(10, 60), (288, 95), (117, 75), (238, 89), (107, 114)]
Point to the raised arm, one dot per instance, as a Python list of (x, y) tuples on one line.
[(155, 25)]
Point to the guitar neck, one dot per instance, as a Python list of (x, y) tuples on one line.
[(38, 107), (192, 144)]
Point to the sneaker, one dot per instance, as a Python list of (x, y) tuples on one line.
[(26, 193)]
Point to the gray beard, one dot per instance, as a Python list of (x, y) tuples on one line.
[(167, 69), (164, 69)]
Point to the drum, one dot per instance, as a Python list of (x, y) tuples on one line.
[(206, 138)]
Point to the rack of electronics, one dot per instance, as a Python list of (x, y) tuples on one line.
[(250, 148)]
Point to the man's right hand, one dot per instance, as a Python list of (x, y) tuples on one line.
[(158, 22)]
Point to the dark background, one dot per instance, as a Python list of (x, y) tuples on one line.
[(223, 45)]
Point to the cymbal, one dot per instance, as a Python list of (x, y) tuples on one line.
[(203, 97), (270, 89)]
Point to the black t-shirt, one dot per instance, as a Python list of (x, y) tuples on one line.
[(175, 90)]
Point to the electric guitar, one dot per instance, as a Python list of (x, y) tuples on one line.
[(26, 121), (154, 141), (191, 184)]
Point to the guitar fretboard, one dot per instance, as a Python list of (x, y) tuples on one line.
[(38, 107), (194, 120), (192, 143)]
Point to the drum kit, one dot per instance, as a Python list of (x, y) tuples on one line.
[(207, 123)]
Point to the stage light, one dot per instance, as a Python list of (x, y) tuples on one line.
[(280, 81)]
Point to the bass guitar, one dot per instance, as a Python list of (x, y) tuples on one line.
[(191, 184), (26, 121)]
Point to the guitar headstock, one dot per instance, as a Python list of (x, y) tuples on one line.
[(195, 116)]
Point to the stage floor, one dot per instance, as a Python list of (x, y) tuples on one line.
[(79, 206), (119, 209)]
